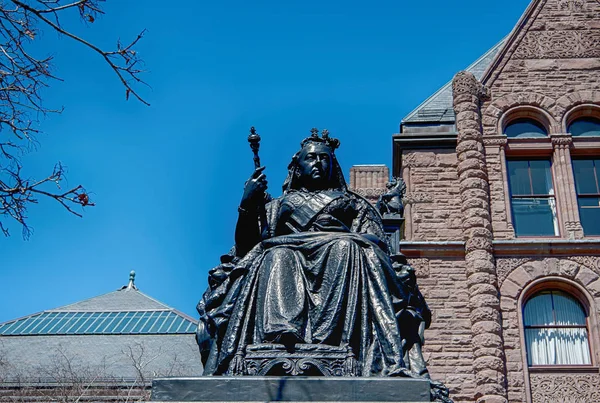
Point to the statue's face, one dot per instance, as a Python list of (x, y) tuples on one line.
[(315, 165)]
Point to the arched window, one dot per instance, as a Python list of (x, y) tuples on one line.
[(525, 127), (556, 330), (585, 126)]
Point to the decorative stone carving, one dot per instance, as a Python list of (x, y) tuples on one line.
[(571, 5), (464, 84), (306, 359), (505, 266), (559, 45), (561, 140), (501, 142), (591, 262), (369, 192), (561, 388), (417, 197), (571, 267)]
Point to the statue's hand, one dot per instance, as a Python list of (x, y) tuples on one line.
[(254, 189)]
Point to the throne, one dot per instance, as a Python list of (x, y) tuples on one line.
[(302, 359)]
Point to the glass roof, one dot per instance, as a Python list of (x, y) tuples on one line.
[(78, 323)]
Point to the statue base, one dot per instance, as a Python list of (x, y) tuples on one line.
[(290, 389)]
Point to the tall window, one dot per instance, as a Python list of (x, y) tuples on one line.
[(556, 330), (588, 194), (532, 198)]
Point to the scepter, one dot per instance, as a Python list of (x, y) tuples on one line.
[(254, 140)]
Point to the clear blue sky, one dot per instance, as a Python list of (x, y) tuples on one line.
[(167, 178)]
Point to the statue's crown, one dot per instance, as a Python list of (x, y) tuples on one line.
[(331, 142)]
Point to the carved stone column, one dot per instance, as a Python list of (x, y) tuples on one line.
[(484, 303), (564, 186)]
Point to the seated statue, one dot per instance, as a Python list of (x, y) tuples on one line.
[(309, 269)]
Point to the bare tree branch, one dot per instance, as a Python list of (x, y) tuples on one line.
[(23, 76)]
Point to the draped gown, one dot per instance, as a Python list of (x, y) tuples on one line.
[(321, 275)]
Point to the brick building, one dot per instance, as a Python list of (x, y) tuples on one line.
[(502, 167)]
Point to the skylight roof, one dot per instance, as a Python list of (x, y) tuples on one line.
[(106, 323)]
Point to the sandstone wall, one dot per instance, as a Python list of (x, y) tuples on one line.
[(448, 349), (557, 53), (433, 195)]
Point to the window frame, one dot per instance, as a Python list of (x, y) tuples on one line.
[(586, 302), (578, 196), (586, 326), (530, 112), (586, 110), (526, 157)]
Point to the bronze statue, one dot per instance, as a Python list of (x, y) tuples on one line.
[(391, 201), (312, 290)]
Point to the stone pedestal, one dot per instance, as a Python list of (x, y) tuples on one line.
[(290, 389)]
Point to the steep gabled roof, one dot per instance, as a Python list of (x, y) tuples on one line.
[(438, 107)]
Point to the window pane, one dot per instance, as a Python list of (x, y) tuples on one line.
[(176, 325), (585, 127), (589, 213), (538, 310), (140, 323), (540, 346), (123, 319), (525, 128), (137, 316), (541, 177), (534, 217), (585, 179), (567, 310), (557, 346), (166, 323), (518, 174)]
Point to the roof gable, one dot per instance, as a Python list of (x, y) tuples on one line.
[(548, 30), (125, 299)]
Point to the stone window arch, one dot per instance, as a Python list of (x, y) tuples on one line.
[(525, 121), (583, 120)]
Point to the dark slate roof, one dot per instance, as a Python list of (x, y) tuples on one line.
[(438, 107), (125, 311)]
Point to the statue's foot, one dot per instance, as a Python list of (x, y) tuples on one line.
[(288, 339)]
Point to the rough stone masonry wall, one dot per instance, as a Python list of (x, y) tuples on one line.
[(432, 201), (448, 351)]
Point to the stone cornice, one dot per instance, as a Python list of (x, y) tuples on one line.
[(546, 247), (425, 140), (413, 249), (509, 247)]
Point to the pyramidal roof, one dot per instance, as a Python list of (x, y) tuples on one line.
[(438, 107), (125, 311)]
